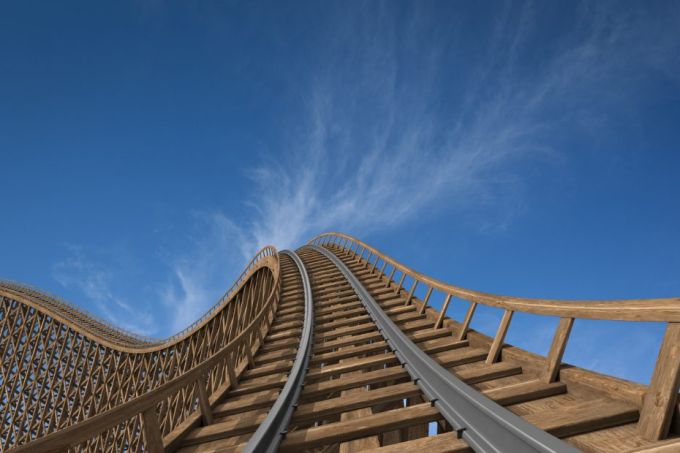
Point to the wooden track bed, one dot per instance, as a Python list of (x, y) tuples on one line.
[(357, 397)]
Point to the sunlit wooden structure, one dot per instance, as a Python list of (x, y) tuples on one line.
[(299, 356)]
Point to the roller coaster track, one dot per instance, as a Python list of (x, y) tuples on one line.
[(333, 347)]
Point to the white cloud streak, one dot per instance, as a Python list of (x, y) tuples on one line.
[(376, 153), (96, 283), (398, 128), (200, 275)]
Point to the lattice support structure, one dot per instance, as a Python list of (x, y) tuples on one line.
[(61, 366)]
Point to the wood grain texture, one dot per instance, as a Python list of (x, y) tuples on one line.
[(208, 388), (557, 348), (660, 399)]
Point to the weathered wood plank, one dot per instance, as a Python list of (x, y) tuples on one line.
[(557, 348), (347, 402), (249, 402), (441, 443), (495, 351), (584, 417), (358, 428), (524, 391), (659, 402), (232, 426)]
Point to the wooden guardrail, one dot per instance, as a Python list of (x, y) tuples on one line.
[(659, 403)]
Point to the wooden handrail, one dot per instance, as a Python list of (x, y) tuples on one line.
[(146, 403), (658, 310), (660, 401)]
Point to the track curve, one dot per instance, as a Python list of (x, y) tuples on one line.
[(326, 349)]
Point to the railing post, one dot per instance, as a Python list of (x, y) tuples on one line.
[(368, 259), (203, 401), (410, 293), (466, 322), (426, 300), (442, 312), (249, 351), (347, 246), (557, 348), (357, 257), (391, 276), (230, 370), (152, 431), (659, 402), (377, 258), (497, 344), (401, 282)]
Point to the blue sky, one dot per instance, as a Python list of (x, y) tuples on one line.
[(149, 148)]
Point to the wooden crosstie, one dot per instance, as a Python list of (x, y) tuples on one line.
[(300, 355)]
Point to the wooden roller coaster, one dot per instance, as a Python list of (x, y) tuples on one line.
[(335, 347)]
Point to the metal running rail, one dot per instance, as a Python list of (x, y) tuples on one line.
[(269, 434), (483, 424)]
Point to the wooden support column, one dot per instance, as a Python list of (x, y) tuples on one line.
[(659, 401), (231, 370), (557, 348), (204, 402), (152, 431), (416, 431)]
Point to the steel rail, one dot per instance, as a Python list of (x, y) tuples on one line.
[(486, 426), (271, 431)]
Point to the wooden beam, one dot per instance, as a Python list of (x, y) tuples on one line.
[(497, 344), (357, 428), (462, 333), (233, 426), (447, 442), (203, 402), (659, 402), (557, 348), (442, 312), (584, 417), (152, 431), (524, 391), (351, 401)]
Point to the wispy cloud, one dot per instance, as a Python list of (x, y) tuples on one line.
[(204, 269), (387, 137), (96, 282), (404, 117)]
